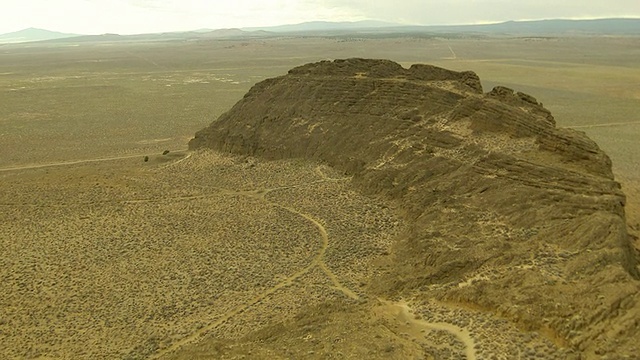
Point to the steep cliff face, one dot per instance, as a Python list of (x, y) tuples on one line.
[(508, 212)]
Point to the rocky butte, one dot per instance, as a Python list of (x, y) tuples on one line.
[(492, 189)]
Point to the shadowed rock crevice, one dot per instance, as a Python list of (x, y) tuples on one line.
[(493, 190)]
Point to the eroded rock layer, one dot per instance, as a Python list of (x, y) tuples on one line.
[(509, 213)]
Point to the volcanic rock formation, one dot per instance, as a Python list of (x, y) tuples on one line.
[(509, 213)]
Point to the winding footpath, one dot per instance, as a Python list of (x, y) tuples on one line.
[(398, 310), (402, 313), (318, 261), (260, 194)]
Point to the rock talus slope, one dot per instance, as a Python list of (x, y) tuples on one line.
[(508, 213)]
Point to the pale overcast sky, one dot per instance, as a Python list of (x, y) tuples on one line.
[(142, 16)]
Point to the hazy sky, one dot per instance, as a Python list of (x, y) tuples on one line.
[(140, 16)]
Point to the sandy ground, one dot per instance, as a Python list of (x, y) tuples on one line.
[(125, 258)]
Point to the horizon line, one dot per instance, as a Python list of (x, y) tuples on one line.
[(390, 24)]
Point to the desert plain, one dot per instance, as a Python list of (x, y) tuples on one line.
[(113, 248)]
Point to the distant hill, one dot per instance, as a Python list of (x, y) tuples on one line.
[(32, 34), (625, 27), (225, 33), (167, 36), (536, 27), (325, 26), (546, 27)]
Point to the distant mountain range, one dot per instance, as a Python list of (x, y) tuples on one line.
[(326, 26), (32, 34), (546, 27), (323, 28)]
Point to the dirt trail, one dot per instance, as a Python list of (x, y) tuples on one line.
[(259, 194), (318, 260), (198, 335), (147, 60), (604, 125), (401, 313), (75, 162), (323, 176), (453, 54)]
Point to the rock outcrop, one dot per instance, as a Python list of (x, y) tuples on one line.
[(508, 213)]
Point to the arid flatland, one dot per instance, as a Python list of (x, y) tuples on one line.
[(209, 255), (136, 260)]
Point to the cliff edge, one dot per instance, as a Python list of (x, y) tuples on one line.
[(507, 212)]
